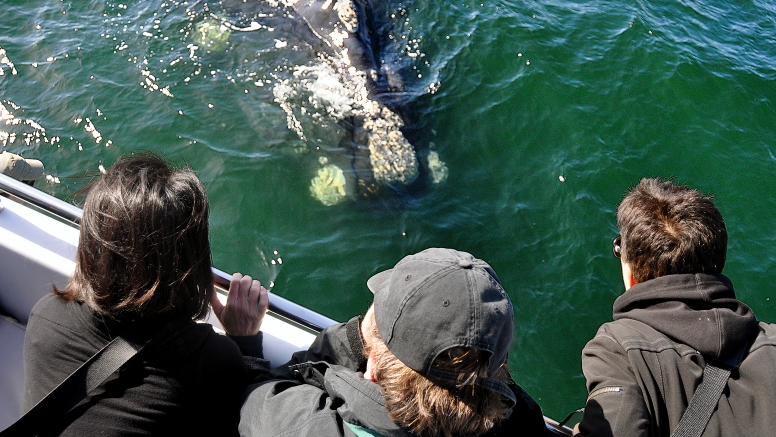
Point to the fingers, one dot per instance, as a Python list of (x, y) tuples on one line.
[(263, 305), (253, 293), (246, 283), (263, 301), (232, 298), (216, 304), (246, 305), (241, 291), (258, 302)]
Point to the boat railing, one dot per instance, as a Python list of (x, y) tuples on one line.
[(40, 199)]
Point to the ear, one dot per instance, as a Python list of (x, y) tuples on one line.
[(627, 276), (368, 373), (365, 330)]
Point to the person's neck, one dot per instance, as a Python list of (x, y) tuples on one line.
[(627, 276)]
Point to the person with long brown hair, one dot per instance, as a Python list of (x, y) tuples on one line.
[(143, 271)]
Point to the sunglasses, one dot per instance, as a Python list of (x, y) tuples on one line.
[(617, 247)]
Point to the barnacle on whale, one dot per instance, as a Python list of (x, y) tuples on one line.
[(328, 186), (211, 34), (391, 155), (437, 167)]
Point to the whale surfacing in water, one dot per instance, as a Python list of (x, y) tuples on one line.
[(375, 129), (344, 83)]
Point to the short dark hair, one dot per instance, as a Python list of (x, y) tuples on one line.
[(144, 250), (669, 229)]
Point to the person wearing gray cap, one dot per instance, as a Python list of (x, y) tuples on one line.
[(429, 358)]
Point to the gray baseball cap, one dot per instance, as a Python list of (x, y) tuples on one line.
[(439, 299)]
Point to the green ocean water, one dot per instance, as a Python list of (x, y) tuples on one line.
[(544, 113)]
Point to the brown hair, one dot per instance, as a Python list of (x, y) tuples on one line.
[(438, 408), (669, 229), (144, 251)]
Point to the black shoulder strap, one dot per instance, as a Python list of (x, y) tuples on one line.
[(74, 388), (703, 402)]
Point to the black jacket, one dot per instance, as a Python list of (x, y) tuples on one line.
[(323, 390), (643, 368), (188, 383)]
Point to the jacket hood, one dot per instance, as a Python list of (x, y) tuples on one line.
[(359, 401), (363, 403), (698, 310)]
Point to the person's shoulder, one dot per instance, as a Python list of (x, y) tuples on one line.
[(48, 304), (527, 404), (217, 347), (768, 329), (618, 335), (766, 335), (526, 417), (625, 335), (627, 330), (216, 358), (54, 310)]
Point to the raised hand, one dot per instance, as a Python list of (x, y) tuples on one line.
[(246, 305)]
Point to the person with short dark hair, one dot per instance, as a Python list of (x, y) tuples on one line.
[(678, 318), (143, 271), (428, 359)]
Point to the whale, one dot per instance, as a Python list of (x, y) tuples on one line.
[(347, 82)]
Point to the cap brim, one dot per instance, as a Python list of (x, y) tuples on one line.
[(375, 282)]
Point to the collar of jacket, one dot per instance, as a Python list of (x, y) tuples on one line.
[(698, 310), (360, 401)]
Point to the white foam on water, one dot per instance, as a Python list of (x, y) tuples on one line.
[(6, 63), (13, 128)]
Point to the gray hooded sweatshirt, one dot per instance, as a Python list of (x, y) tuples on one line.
[(643, 368)]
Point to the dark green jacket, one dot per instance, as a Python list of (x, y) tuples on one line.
[(643, 368), (322, 393)]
